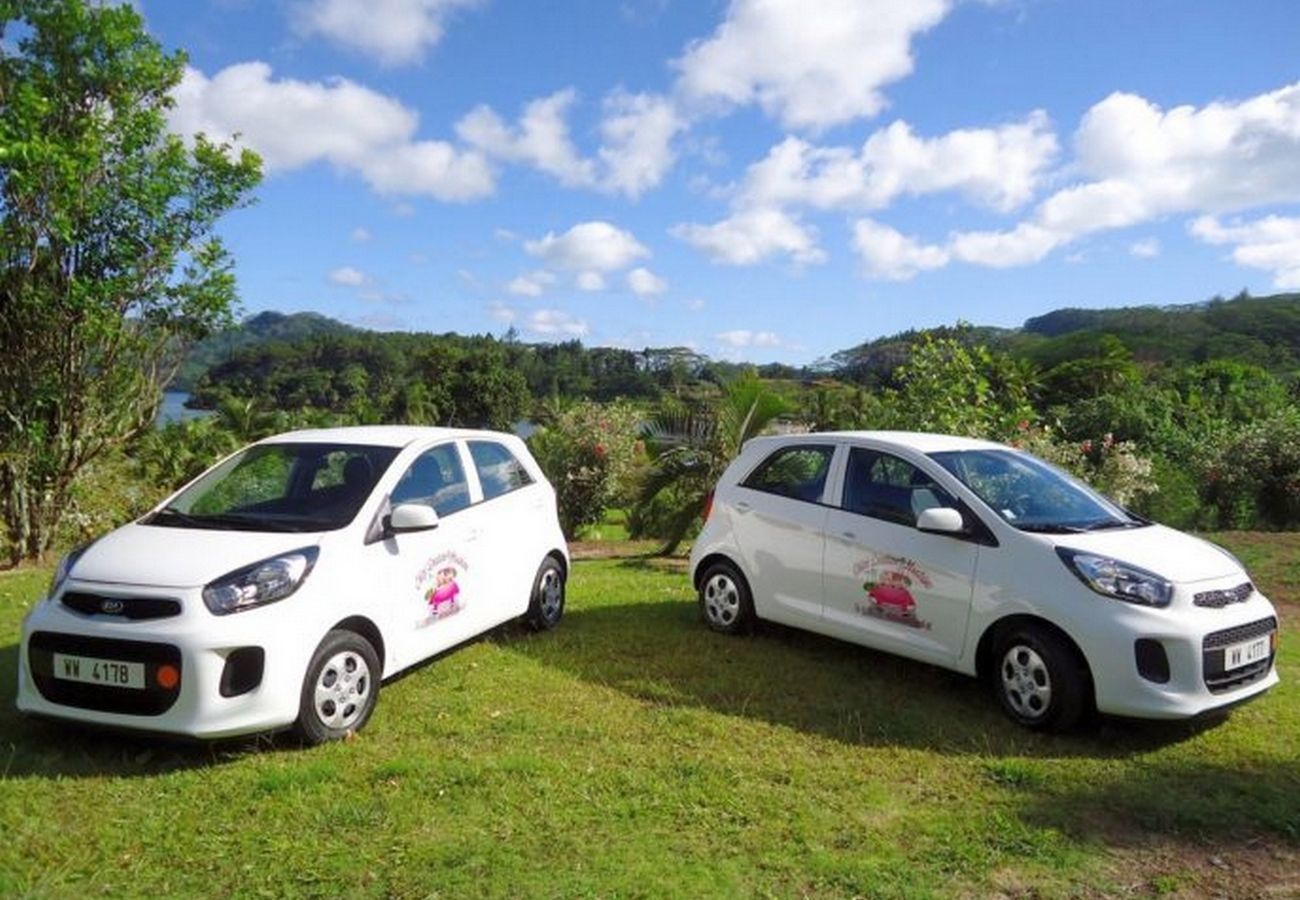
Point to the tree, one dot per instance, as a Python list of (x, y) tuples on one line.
[(692, 445), (108, 264)]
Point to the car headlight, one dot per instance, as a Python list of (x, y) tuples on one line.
[(1117, 579), (64, 569), (261, 583)]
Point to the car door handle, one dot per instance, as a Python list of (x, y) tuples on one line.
[(742, 506), (472, 536), (849, 535)]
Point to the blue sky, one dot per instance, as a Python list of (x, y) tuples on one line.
[(757, 179)]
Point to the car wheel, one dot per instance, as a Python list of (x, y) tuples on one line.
[(1040, 679), (340, 688), (725, 600), (546, 605)]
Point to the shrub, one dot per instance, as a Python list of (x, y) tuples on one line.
[(588, 452)]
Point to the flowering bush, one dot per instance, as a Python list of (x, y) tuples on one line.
[(589, 452)]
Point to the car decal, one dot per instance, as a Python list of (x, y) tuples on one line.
[(887, 581), (438, 588)]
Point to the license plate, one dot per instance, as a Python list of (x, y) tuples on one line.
[(89, 670), (1243, 654)]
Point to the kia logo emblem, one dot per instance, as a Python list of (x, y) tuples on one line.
[(111, 607)]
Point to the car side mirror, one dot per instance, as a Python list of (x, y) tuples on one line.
[(941, 520), (407, 517)]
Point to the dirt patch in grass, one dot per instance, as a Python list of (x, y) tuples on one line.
[(1256, 868)]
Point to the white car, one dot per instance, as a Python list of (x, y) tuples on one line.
[(980, 558), (284, 584)]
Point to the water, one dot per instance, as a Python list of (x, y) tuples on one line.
[(173, 409)]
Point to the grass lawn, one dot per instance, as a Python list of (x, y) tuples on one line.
[(634, 753)]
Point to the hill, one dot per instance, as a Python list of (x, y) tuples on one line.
[(261, 328)]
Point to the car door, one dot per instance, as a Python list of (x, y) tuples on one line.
[(436, 581), (512, 504), (778, 519), (888, 584)]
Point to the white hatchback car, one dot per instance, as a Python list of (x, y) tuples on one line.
[(281, 586), (983, 559)]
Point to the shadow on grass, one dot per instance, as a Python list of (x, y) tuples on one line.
[(41, 747), (661, 653)]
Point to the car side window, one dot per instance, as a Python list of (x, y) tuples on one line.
[(435, 479), (798, 472), (885, 487), (498, 470)]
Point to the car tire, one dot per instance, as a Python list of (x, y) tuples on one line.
[(546, 603), (340, 688), (726, 604), (1040, 679)]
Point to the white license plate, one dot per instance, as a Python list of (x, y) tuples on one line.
[(1243, 654), (89, 670)]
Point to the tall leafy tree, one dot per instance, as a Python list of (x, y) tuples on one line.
[(108, 261)]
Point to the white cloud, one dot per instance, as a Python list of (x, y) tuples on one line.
[(888, 254), (360, 235), (1146, 163), (1271, 244), (998, 167), (348, 276), (807, 67), (395, 32), (295, 123), (1147, 248), (636, 140), (499, 312), (557, 323), (751, 236), (637, 133), (590, 281), (644, 283), (588, 247), (541, 139), (741, 338), (531, 284)]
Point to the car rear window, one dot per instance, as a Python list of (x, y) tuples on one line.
[(498, 470), (798, 472)]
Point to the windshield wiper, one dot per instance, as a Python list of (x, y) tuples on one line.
[(1107, 524), (1050, 528), (170, 515)]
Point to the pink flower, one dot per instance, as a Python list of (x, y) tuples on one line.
[(600, 451)]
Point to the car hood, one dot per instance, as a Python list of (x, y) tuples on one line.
[(179, 557), (1171, 554)]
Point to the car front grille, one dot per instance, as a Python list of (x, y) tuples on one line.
[(1219, 599), (133, 608), (152, 700), (1218, 680)]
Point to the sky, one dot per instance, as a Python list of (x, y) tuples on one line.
[(763, 180)]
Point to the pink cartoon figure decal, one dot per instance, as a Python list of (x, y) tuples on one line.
[(442, 596), (888, 584), (436, 582)]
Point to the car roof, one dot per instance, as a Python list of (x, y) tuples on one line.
[(919, 441), (380, 435)]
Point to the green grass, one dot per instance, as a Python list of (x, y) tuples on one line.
[(633, 753)]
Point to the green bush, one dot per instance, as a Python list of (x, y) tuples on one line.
[(588, 453), (1252, 477)]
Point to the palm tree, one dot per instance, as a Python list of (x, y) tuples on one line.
[(693, 444)]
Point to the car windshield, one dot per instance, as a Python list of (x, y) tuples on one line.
[(1032, 495), (280, 487)]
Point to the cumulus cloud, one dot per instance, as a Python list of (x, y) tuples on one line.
[(348, 276), (590, 281), (1271, 244), (360, 234), (636, 140), (806, 69), (751, 236), (531, 284), (644, 283), (499, 312), (1147, 248), (888, 254), (394, 32), (588, 247), (997, 167), (1144, 163), (557, 323), (294, 123)]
